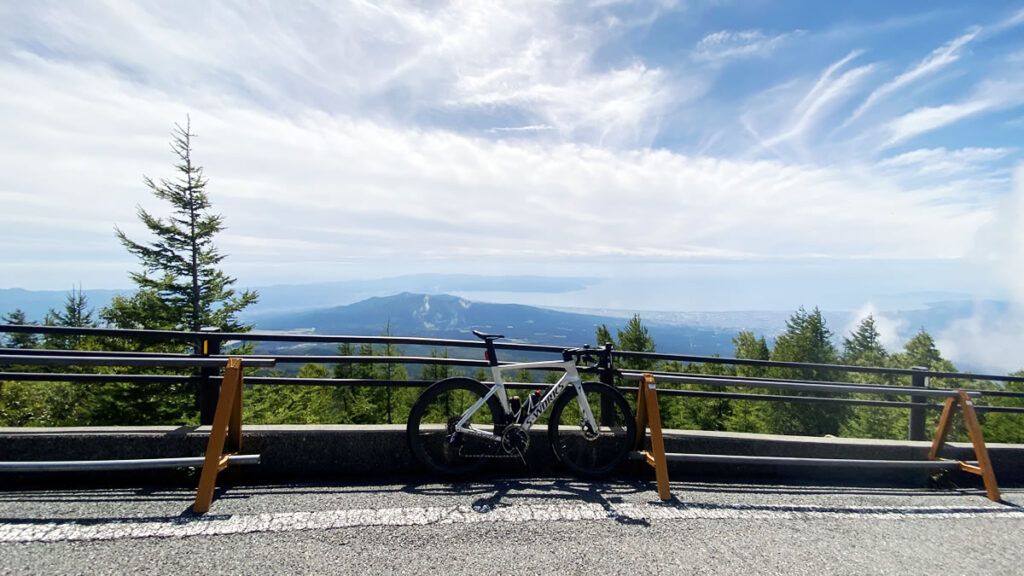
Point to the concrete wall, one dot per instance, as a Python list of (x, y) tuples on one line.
[(298, 453)]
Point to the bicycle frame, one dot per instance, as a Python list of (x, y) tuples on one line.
[(570, 378)]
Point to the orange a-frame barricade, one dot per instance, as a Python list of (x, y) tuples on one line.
[(649, 416), (226, 429)]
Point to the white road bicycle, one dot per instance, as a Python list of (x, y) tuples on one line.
[(458, 424)]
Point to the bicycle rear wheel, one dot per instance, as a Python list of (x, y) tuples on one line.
[(432, 424), (592, 452)]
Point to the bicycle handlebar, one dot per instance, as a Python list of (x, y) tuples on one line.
[(592, 358)]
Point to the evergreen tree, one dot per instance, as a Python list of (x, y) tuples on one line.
[(354, 404), (18, 339), (807, 339), (749, 415), (180, 285), (863, 347), (921, 352), (706, 413), (746, 346), (635, 338), (1002, 426), (76, 314), (393, 403), (437, 372), (291, 404)]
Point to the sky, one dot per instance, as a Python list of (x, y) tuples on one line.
[(695, 154)]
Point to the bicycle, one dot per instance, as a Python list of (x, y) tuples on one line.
[(457, 424)]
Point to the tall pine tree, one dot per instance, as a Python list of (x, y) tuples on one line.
[(180, 286)]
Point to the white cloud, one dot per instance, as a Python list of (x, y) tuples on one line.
[(939, 58), (323, 191), (1012, 22), (889, 329), (727, 45), (357, 138), (995, 338), (826, 93), (990, 341), (934, 163), (988, 97)]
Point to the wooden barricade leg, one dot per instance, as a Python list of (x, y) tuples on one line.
[(984, 468), (963, 403), (656, 457), (945, 422), (234, 441), (215, 460), (640, 444)]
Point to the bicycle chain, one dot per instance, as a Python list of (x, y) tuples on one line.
[(519, 455)]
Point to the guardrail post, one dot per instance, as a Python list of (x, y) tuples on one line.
[(208, 392), (917, 415), (607, 376)]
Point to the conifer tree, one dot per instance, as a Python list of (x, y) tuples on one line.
[(18, 339), (807, 339), (863, 347), (749, 415), (635, 337), (180, 286), (76, 314)]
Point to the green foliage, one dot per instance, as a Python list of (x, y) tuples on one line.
[(863, 347), (291, 404), (180, 285), (749, 415), (130, 404), (15, 339), (436, 372), (40, 404), (634, 337), (76, 314), (1003, 426), (806, 339)]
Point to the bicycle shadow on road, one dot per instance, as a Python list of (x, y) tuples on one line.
[(493, 495)]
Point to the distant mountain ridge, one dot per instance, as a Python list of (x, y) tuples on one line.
[(446, 316), (978, 335)]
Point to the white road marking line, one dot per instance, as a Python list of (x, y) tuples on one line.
[(179, 527)]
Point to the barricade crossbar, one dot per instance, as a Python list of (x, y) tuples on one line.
[(648, 417), (223, 446)]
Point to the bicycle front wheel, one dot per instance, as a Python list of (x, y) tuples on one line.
[(585, 451), (431, 428)]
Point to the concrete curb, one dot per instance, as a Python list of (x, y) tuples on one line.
[(300, 453)]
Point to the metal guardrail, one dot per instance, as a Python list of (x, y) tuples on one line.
[(120, 465), (206, 365)]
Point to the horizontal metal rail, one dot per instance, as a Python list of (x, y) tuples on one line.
[(112, 360), (99, 378), (809, 387), (793, 461), (808, 366), (132, 464), (256, 336)]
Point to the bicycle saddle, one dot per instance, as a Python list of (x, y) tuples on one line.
[(485, 337)]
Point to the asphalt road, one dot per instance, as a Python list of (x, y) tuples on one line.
[(549, 526)]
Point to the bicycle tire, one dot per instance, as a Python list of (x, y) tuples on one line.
[(587, 454), (428, 433)]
